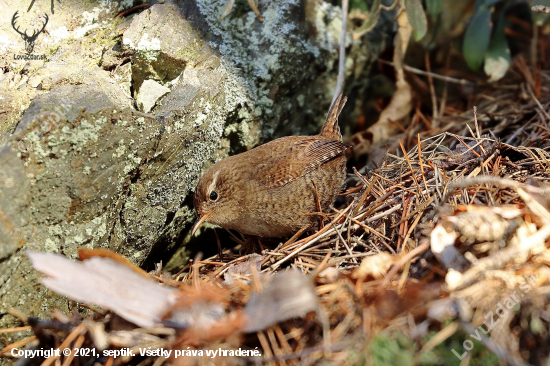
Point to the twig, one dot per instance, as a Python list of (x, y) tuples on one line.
[(13, 330), (124, 12), (410, 255), (18, 314), (476, 124), (383, 214), (388, 8), (411, 168), (70, 338), (342, 57), (439, 338), (487, 179), (540, 105), (341, 238), (77, 344), (321, 266), (265, 344), (369, 229), (445, 86), (434, 75), (432, 89), (309, 243), (17, 344)]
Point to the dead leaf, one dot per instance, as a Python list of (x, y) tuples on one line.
[(285, 295), (85, 253), (244, 269), (399, 109), (106, 283)]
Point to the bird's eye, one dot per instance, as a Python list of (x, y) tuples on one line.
[(213, 196)]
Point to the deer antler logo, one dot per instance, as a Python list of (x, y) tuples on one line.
[(29, 40)]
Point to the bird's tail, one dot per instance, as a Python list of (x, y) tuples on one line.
[(330, 128)]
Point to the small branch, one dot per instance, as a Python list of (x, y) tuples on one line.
[(401, 262), (388, 8), (433, 75), (342, 61), (432, 89)]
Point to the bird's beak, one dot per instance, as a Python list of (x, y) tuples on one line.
[(200, 220)]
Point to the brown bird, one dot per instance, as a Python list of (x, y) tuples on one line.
[(273, 189)]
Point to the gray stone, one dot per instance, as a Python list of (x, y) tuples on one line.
[(64, 102), (65, 177), (149, 93), (86, 173), (123, 74), (164, 43), (15, 195)]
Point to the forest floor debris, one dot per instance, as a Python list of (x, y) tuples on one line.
[(440, 253)]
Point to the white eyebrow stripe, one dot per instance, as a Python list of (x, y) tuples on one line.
[(212, 185)]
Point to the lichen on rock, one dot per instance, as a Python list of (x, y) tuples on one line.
[(279, 59)]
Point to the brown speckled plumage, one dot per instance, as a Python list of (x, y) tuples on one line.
[(268, 191)]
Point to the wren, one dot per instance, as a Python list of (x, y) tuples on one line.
[(275, 189)]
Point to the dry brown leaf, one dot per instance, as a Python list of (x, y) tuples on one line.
[(400, 106), (285, 295), (85, 253), (243, 269), (104, 282)]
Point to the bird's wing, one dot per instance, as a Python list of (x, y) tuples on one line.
[(292, 157)]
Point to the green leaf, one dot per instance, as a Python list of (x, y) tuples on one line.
[(417, 18), (477, 37), (434, 7), (497, 58)]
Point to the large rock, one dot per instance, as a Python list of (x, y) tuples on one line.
[(65, 173), (286, 64), (87, 173)]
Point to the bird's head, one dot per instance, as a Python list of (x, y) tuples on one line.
[(215, 200)]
